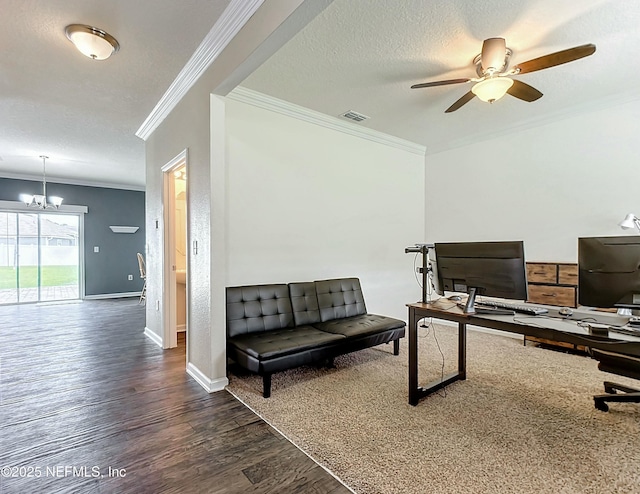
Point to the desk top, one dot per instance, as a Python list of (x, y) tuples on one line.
[(573, 329)]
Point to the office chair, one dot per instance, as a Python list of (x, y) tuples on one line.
[(143, 275), (622, 365)]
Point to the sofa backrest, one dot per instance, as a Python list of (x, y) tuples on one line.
[(340, 298), (304, 301), (258, 308)]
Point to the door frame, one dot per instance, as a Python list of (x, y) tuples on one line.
[(169, 296)]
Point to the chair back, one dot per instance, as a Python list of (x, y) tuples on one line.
[(141, 265), (617, 363)]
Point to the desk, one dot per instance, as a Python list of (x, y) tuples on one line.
[(551, 327)]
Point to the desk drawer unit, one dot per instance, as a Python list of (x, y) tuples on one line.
[(551, 283), (562, 296)]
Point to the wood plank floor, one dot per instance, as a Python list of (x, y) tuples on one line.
[(89, 404)]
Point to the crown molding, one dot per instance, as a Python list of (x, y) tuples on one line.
[(270, 103), (223, 31)]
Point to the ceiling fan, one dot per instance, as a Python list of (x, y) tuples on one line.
[(494, 80)]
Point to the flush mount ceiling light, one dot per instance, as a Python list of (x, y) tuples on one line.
[(40, 201), (91, 41)]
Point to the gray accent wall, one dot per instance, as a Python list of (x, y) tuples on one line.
[(105, 272)]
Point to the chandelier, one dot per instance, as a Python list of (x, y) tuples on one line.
[(40, 201)]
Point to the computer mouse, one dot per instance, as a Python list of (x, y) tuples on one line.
[(565, 311), (455, 298)]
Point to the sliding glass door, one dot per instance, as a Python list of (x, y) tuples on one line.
[(39, 257), (8, 258)]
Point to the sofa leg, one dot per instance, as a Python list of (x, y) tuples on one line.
[(266, 385), (396, 347)]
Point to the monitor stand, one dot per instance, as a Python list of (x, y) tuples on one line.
[(470, 307)]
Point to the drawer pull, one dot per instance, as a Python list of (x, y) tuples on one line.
[(549, 295)]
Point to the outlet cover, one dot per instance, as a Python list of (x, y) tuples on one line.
[(96, 249), (130, 277)]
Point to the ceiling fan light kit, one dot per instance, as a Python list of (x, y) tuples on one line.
[(492, 89), (494, 76), (91, 41)]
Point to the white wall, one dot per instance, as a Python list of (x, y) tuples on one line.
[(196, 123), (546, 185), (306, 203)]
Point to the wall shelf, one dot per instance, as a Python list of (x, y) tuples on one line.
[(124, 229)]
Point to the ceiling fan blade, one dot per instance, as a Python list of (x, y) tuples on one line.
[(557, 58), (524, 92), (439, 83), (494, 51), (462, 101)]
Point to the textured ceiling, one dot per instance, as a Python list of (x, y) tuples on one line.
[(365, 55), (83, 114), (356, 55)]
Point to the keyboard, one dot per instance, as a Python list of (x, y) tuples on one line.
[(530, 310), (493, 311), (630, 331)]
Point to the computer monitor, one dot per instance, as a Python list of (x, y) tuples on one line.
[(609, 272), (493, 269)]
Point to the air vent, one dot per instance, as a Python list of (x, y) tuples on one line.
[(355, 116)]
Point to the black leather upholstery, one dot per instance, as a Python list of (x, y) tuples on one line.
[(271, 328), (280, 342), (340, 298), (363, 325), (257, 308), (304, 301)]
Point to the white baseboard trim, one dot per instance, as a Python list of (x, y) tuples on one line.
[(153, 337), (181, 327), (210, 385), (112, 295)]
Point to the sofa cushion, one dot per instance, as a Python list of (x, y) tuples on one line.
[(258, 308), (360, 325), (340, 298), (279, 342), (304, 302)]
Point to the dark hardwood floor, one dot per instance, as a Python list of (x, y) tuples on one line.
[(89, 404)]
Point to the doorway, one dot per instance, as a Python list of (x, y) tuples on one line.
[(176, 277), (39, 257)]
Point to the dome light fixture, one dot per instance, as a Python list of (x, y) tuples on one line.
[(492, 89), (91, 41)]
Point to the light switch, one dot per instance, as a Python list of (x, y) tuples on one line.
[(96, 249)]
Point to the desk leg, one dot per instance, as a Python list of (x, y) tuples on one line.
[(414, 396), (417, 392), (462, 351)]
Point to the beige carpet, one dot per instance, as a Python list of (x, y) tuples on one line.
[(522, 422)]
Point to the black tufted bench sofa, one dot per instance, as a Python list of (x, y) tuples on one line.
[(271, 328)]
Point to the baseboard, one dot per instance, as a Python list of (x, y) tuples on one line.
[(181, 327), (210, 385), (153, 337), (112, 295)]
